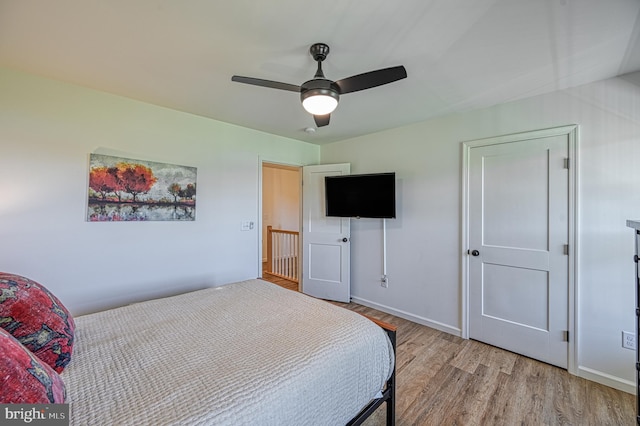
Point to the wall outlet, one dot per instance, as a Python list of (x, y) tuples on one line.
[(384, 281), (628, 340)]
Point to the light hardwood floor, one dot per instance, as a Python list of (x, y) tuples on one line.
[(445, 380), (291, 285)]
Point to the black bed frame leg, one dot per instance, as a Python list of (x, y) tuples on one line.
[(388, 395), (391, 384)]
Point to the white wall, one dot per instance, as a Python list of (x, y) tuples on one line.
[(47, 131), (424, 249)]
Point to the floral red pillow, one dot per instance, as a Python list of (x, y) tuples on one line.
[(37, 319), (24, 379)]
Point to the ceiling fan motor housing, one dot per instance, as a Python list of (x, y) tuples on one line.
[(319, 86)]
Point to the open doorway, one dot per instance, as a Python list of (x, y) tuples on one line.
[(281, 200)]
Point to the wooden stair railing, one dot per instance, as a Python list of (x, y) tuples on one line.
[(282, 253)]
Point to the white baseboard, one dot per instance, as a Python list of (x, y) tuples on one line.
[(402, 314), (607, 380)]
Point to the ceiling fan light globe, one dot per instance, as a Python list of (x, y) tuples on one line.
[(320, 104), (320, 101)]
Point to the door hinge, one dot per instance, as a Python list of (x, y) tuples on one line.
[(566, 163), (565, 335), (565, 249)]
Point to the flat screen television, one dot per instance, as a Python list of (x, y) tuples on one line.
[(365, 195)]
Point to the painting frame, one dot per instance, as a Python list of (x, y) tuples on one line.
[(130, 190)]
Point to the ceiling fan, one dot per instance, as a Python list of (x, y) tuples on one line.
[(319, 95)]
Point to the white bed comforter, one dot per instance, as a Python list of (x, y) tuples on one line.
[(248, 353)]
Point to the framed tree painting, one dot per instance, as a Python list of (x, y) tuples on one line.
[(122, 189)]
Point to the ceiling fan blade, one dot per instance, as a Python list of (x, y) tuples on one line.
[(266, 83), (371, 79), (322, 120)]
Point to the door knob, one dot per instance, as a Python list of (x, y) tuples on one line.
[(345, 239), (475, 253)]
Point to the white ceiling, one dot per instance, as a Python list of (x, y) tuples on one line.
[(459, 54)]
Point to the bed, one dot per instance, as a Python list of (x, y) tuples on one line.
[(248, 353)]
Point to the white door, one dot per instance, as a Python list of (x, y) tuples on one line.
[(518, 241), (325, 240)]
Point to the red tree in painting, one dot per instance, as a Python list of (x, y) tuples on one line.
[(135, 178), (117, 179), (102, 181)]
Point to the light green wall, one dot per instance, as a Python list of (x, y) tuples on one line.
[(47, 131), (424, 242)]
